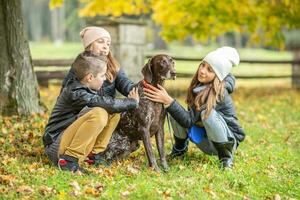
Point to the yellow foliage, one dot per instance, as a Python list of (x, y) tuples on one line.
[(55, 3), (206, 19), (114, 8)]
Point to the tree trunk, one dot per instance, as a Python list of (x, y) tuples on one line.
[(296, 70), (18, 85)]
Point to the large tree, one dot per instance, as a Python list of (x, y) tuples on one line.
[(18, 84)]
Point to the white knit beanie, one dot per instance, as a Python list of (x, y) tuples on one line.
[(92, 33), (222, 60)]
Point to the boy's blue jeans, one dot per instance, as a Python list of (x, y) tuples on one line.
[(216, 130)]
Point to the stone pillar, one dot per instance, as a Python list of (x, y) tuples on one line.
[(128, 44), (296, 70)]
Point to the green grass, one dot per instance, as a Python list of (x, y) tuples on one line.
[(266, 163), (47, 50)]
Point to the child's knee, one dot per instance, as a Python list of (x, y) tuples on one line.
[(210, 119), (116, 117), (98, 114)]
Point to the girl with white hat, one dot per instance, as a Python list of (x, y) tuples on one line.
[(211, 120)]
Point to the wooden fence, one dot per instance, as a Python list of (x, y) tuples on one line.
[(45, 75)]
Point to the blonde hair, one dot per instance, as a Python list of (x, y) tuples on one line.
[(207, 98)]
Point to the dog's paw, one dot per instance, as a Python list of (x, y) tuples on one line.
[(166, 167), (155, 168)]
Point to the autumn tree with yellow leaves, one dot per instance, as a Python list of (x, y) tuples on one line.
[(265, 21)]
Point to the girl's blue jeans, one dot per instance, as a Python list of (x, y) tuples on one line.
[(216, 131)]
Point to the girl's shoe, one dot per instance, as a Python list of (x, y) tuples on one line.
[(225, 153), (179, 148)]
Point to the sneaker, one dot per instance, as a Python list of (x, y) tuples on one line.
[(69, 163), (97, 159)]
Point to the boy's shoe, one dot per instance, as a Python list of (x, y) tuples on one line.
[(97, 159), (69, 163)]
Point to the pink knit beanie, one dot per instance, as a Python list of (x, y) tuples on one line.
[(92, 33)]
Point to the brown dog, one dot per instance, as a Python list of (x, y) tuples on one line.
[(148, 119)]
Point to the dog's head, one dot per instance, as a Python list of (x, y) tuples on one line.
[(158, 68)]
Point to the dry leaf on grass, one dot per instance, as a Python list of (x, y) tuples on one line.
[(25, 189), (125, 193), (277, 197), (45, 190), (76, 189), (7, 179), (132, 170), (75, 185), (210, 191), (166, 193), (92, 191)]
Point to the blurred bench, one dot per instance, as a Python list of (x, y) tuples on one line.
[(43, 76)]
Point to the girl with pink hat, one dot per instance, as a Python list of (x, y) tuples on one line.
[(96, 42)]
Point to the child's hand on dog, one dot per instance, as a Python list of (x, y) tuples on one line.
[(158, 95), (134, 94)]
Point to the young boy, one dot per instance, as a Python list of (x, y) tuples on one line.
[(82, 122)]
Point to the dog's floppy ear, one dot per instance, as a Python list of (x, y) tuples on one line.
[(147, 72)]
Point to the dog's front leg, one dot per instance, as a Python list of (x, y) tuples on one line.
[(148, 148), (159, 136)]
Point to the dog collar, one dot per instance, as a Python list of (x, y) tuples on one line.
[(146, 84)]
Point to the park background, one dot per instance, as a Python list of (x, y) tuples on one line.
[(266, 97)]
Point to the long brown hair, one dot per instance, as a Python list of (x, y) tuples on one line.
[(207, 98), (113, 67)]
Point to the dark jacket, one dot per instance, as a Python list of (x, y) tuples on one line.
[(72, 99), (225, 108), (121, 84)]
